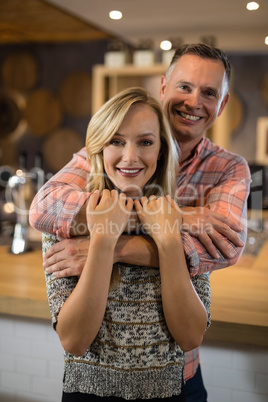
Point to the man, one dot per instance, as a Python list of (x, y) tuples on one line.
[(213, 186)]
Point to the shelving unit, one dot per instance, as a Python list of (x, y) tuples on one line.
[(108, 81)]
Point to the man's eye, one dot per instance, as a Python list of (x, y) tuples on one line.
[(210, 93)]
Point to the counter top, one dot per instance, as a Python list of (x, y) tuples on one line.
[(239, 301), (239, 295), (22, 284)]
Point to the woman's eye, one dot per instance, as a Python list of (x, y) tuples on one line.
[(115, 142), (146, 143)]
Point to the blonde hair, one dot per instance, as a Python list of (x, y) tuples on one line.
[(106, 122)]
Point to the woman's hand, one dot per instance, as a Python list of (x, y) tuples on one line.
[(160, 217), (108, 213)]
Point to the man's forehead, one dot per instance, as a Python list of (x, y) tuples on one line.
[(198, 63), (193, 68)]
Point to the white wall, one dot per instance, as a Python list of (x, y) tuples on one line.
[(31, 366), (234, 373), (31, 361)]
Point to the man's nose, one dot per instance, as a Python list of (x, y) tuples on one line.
[(193, 100), (130, 153)]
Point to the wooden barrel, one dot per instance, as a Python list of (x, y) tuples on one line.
[(59, 147), (10, 114), (43, 112), (20, 71), (75, 92), (12, 110)]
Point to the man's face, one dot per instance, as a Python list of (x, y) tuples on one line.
[(193, 96)]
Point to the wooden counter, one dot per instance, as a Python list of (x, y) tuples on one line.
[(239, 307), (239, 295), (22, 284)]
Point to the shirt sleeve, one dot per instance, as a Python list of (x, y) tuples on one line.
[(57, 203), (58, 289), (228, 197)]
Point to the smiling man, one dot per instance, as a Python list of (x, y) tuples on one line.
[(213, 186), (194, 93)]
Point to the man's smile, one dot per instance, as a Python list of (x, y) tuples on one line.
[(188, 116)]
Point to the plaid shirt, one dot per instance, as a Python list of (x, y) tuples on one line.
[(212, 177)]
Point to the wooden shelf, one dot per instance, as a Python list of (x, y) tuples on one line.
[(108, 81)]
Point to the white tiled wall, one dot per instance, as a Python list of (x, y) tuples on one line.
[(234, 373), (31, 361), (31, 366)]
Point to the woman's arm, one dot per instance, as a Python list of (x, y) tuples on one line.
[(81, 315), (185, 314)]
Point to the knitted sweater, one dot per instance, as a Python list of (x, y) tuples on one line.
[(133, 355)]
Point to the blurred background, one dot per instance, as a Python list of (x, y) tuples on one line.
[(59, 61)]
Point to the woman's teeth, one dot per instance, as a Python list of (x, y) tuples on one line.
[(130, 170)]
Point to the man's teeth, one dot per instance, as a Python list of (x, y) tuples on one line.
[(190, 117), (129, 170)]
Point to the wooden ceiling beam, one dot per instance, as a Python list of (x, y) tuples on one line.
[(24, 21)]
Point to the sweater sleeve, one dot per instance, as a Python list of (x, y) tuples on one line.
[(202, 286), (58, 289)]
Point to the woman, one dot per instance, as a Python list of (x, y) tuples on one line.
[(125, 328)]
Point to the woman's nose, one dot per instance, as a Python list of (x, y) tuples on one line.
[(130, 153)]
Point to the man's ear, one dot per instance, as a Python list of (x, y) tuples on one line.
[(223, 103), (163, 85)]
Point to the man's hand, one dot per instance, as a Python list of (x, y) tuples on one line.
[(211, 228), (67, 258)]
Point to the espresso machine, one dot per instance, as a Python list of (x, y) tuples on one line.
[(20, 191)]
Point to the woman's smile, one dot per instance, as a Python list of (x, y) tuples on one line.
[(130, 157), (129, 172)]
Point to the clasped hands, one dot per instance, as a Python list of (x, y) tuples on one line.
[(108, 215), (67, 257)]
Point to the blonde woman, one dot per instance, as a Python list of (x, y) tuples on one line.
[(125, 328)]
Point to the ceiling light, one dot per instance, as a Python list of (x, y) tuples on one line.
[(252, 6), (115, 15), (166, 45), (266, 40)]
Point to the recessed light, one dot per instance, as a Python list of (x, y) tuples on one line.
[(165, 45), (266, 40), (253, 5), (115, 15)]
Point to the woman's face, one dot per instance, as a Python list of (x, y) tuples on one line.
[(130, 157)]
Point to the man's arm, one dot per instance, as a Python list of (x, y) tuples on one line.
[(67, 257), (58, 202), (229, 199)]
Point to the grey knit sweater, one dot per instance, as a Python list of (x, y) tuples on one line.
[(133, 356)]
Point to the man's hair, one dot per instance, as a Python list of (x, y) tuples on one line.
[(204, 51)]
